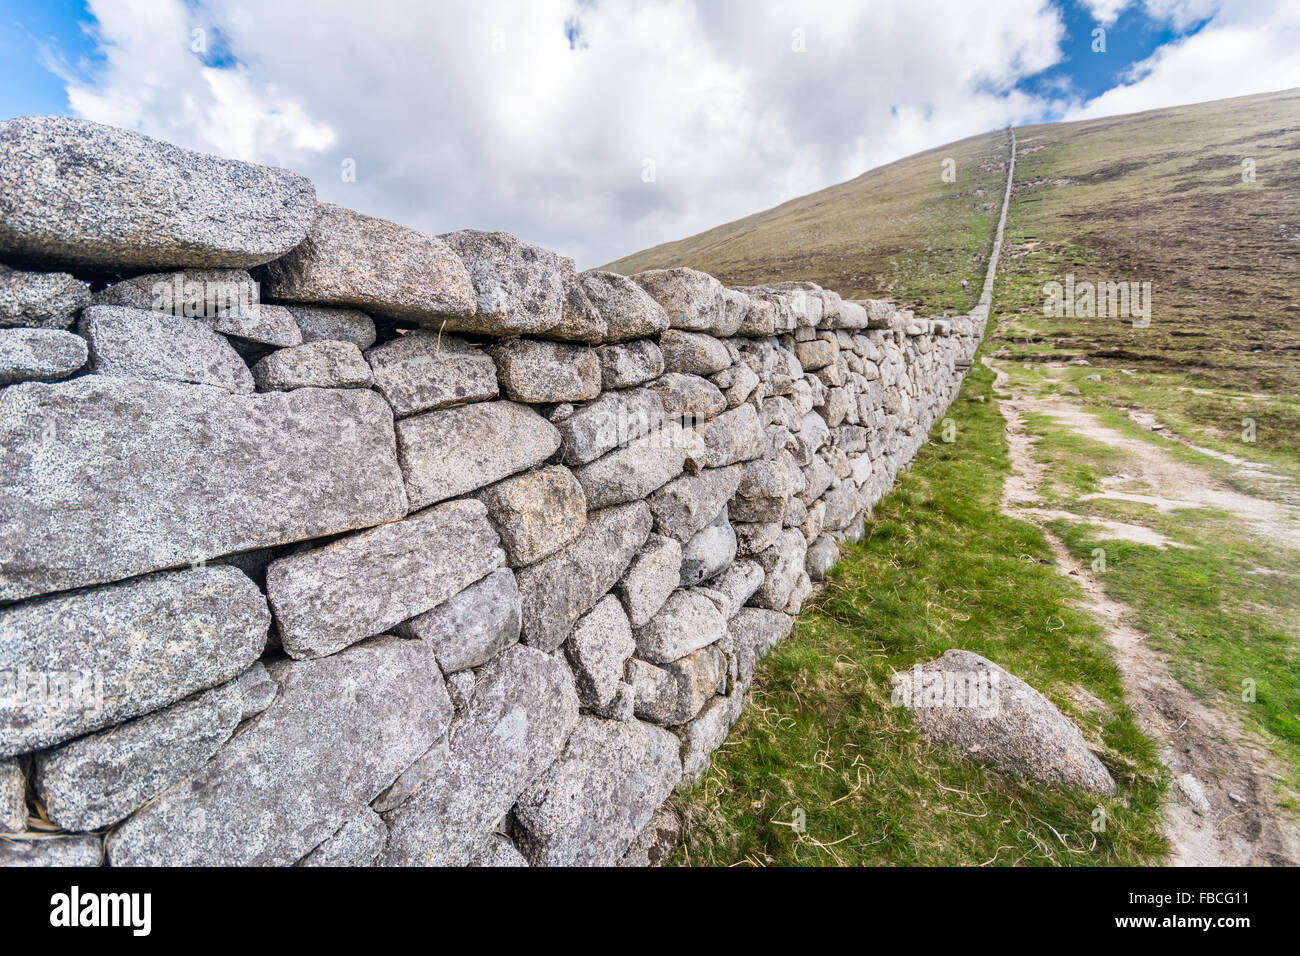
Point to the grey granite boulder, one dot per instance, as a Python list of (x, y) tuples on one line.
[(673, 693), (687, 621), (580, 320), (709, 551), (364, 584), (689, 396), (730, 589), (95, 658), (594, 800), (822, 555), (78, 192), (686, 504), (735, 308), (760, 629), (630, 363), (473, 626), (522, 713), (263, 324), (77, 850), (816, 354), (536, 513), (155, 346), (732, 437), (556, 591), (519, 288), (656, 841), (653, 575), (323, 364), (42, 355), (356, 843), (43, 300), (693, 353), (455, 450), (535, 371), (706, 733), (101, 778), (614, 420), (599, 644), (693, 300), (371, 264), (499, 851), (425, 370), (633, 471), (340, 731), (782, 564), (629, 312), (992, 716), (13, 797), (153, 475), (324, 323), (426, 766)]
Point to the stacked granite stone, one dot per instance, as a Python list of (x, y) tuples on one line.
[(326, 542)]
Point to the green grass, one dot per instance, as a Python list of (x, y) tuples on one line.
[(940, 567)]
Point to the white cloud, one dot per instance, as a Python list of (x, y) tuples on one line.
[(1106, 12), (1248, 47), (478, 114)]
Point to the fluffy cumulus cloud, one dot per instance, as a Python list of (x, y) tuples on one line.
[(594, 127), (1245, 46)]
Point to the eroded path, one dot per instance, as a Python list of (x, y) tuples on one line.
[(1222, 808)]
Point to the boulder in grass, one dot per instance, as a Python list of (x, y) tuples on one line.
[(989, 715)]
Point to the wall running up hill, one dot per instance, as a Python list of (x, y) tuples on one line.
[(327, 542)]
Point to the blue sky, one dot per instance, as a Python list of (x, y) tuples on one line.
[(543, 117)]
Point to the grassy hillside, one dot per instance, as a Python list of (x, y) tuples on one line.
[(898, 232)]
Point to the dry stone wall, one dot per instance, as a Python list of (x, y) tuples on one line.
[(326, 542)]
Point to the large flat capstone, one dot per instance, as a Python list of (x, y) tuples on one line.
[(81, 193), (340, 731), (105, 478)]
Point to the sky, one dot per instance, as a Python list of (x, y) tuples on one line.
[(600, 127)]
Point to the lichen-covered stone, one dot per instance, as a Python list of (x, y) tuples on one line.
[(499, 851), (473, 626), (156, 346), (353, 260), (594, 800), (599, 644), (340, 731), (732, 437), (692, 299), (324, 364), (364, 584), (42, 300), (653, 575), (709, 551), (629, 312), (656, 841), (630, 363), (41, 355), (356, 843), (425, 370), (77, 850), (153, 475), (673, 693), (686, 504), (324, 323), (535, 371), (101, 778), (519, 288), (692, 353), (556, 591), (13, 797), (614, 420), (453, 451), (688, 396), (73, 191), (522, 713), (632, 472), (687, 621), (536, 513), (97, 657), (782, 564)]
